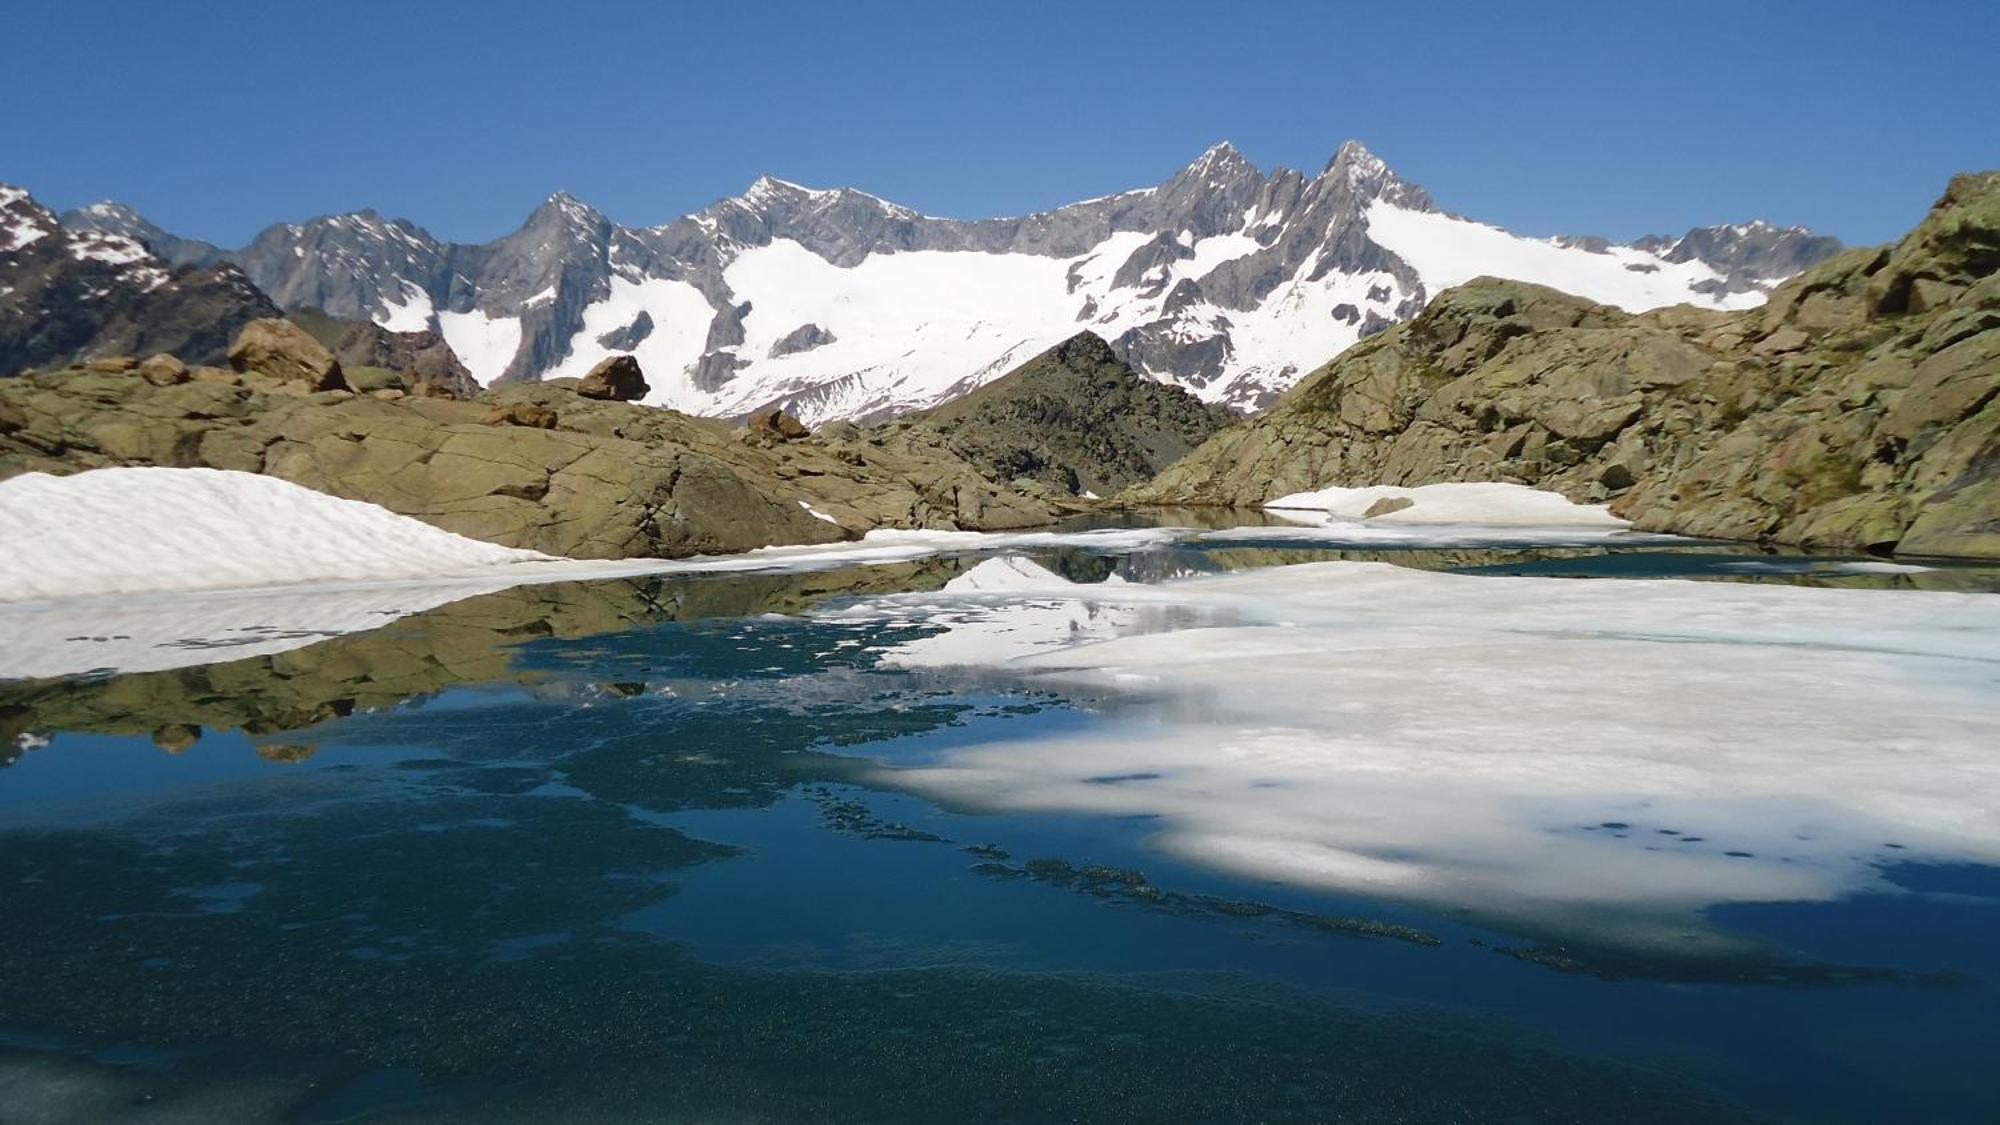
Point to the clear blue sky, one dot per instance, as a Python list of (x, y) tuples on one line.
[(1615, 117)]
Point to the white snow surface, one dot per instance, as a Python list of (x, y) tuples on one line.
[(1446, 250), (1487, 504), (485, 344), (1600, 759), (414, 314), (146, 530)]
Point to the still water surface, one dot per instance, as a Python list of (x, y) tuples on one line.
[(637, 849)]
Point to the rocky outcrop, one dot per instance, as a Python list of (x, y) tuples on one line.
[(528, 465), (68, 296), (774, 424), (422, 357), (1075, 419), (1858, 409), (616, 379), (804, 338)]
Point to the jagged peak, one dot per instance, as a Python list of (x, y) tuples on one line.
[(1221, 158), (1358, 163), (568, 207)]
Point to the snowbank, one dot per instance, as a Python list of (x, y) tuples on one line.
[(148, 530), (1484, 505), (1601, 759), (1007, 572)]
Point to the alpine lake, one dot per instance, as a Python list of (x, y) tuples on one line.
[(689, 847)]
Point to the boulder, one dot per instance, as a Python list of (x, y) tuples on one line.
[(284, 351), (164, 370), (521, 414), (615, 379), (775, 423), (110, 365)]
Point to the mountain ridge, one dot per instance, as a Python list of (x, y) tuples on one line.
[(1224, 279)]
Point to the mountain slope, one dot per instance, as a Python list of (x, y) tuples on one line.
[(1075, 418), (1223, 279), (1860, 408), (67, 295)]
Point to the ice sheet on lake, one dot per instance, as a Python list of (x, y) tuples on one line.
[(1490, 504), (1602, 758)]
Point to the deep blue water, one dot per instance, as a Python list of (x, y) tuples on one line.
[(634, 850)]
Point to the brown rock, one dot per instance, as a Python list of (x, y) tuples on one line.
[(110, 365), (285, 351), (214, 375), (163, 370), (1781, 341), (617, 378), (777, 423), (521, 414), (286, 753), (1387, 505)]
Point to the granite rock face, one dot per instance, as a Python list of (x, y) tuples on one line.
[(1858, 409), (1076, 419)]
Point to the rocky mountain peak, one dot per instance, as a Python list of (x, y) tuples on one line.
[(22, 220), (566, 210), (1368, 177), (69, 294)]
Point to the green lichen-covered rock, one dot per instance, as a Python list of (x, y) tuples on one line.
[(1858, 409)]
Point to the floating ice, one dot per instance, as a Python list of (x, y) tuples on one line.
[(1603, 759)]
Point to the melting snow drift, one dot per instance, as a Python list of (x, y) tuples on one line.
[(148, 530)]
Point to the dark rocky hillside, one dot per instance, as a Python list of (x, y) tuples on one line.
[(1075, 418), (68, 295)]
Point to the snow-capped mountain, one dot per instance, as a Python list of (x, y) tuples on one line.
[(1224, 279), (70, 294)]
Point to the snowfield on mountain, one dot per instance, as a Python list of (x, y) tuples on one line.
[(1223, 279)]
